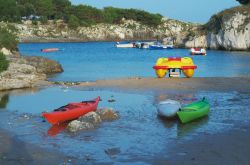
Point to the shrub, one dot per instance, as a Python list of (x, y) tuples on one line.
[(73, 22), (8, 39), (4, 63)]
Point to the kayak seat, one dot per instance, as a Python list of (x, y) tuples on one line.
[(59, 109), (65, 108), (86, 102)]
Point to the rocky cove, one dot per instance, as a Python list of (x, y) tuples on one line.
[(227, 30)]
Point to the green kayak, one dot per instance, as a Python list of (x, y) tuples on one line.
[(194, 111)]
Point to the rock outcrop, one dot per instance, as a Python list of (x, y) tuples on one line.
[(127, 30), (24, 72), (227, 30), (92, 120)]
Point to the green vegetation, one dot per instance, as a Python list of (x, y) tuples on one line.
[(7, 38), (244, 2), (4, 63), (215, 24), (76, 15)]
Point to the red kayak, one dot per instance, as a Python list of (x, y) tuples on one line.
[(71, 111), (50, 50)]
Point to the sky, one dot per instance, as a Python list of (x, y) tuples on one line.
[(197, 11)]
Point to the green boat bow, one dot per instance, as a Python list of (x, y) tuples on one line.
[(194, 111)]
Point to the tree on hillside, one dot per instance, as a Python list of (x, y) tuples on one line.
[(8, 39), (27, 9), (9, 11), (61, 8), (87, 14), (73, 22), (44, 8), (244, 2)]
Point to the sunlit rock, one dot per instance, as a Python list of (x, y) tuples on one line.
[(107, 114), (91, 117), (76, 125)]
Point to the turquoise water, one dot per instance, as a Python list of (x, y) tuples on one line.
[(90, 61)]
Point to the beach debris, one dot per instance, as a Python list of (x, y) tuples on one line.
[(112, 152), (92, 120)]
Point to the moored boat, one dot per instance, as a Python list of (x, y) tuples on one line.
[(157, 47), (168, 108), (194, 111), (71, 111), (125, 45), (171, 64), (198, 51), (49, 50)]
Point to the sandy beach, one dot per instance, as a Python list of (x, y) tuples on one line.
[(228, 147), (186, 84)]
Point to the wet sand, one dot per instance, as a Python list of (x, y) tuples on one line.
[(230, 147), (14, 151), (187, 84)]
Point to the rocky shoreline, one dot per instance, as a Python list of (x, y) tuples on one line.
[(25, 72)]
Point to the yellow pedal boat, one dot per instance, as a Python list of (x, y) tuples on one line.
[(184, 64)]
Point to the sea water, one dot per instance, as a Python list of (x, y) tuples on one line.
[(138, 134), (90, 61)]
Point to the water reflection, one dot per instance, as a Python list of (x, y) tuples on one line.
[(4, 100), (57, 128), (189, 128)]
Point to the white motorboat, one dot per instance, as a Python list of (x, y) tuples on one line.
[(125, 45)]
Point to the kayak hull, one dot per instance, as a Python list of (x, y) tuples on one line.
[(71, 111), (194, 111), (50, 50), (168, 108)]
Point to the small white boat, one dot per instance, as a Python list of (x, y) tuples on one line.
[(198, 51), (168, 108), (125, 45)]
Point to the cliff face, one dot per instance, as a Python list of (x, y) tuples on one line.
[(127, 30), (228, 30)]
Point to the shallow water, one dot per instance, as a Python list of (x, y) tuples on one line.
[(90, 61), (139, 133)]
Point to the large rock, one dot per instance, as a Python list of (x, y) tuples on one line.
[(5, 51), (24, 72), (107, 114), (44, 65), (92, 119), (19, 76), (76, 125)]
